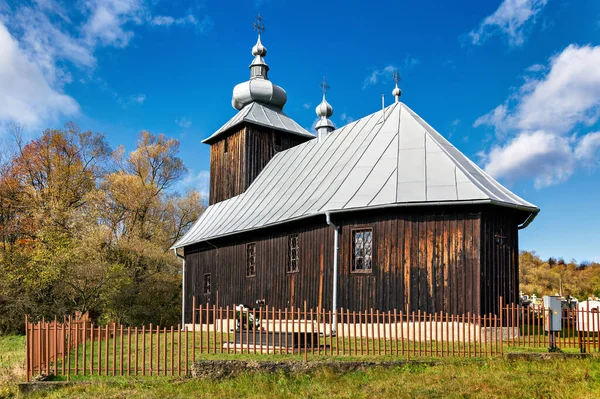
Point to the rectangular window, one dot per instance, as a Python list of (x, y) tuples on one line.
[(362, 250), (207, 284), (251, 260), (293, 255), (226, 145)]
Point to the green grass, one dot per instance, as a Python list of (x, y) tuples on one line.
[(489, 378), (12, 362), (111, 356)]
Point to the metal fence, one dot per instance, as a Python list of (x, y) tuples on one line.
[(80, 348)]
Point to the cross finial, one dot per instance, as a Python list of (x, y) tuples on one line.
[(324, 86), (258, 24), (396, 77)]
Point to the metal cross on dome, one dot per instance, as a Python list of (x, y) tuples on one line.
[(396, 77), (259, 27), (324, 86)]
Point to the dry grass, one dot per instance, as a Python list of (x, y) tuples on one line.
[(12, 363)]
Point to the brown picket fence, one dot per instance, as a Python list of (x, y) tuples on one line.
[(526, 328), (80, 348)]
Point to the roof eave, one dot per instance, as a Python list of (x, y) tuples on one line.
[(533, 211)]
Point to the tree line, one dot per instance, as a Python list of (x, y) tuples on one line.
[(87, 228), (549, 277)]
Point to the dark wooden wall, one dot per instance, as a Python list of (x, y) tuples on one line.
[(442, 260), (499, 259), (250, 148), (227, 265), (426, 261), (228, 169)]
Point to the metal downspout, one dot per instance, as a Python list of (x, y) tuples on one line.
[(335, 272)]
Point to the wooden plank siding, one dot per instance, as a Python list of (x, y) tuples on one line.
[(232, 172), (445, 259)]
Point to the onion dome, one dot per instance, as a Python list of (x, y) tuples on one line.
[(259, 88), (259, 49), (396, 92), (324, 110)]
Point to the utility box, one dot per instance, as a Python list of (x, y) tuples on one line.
[(552, 313)]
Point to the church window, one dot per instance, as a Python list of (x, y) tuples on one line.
[(362, 250), (226, 145), (207, 284), (293, 255), (251, 260)]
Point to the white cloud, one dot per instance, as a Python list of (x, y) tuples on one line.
[(542, 156), (199, 181), (587, 149), (536, 68), (511, 18), (27, 95), (540, 121), (41, 46), (306, 105), (109, 21), (165, 20), (495, 118), (453, 127), (385, 74), (567, 95), (346, 118), (183, 122), (134, 99)]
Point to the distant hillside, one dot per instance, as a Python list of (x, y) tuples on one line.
[(544, 277)]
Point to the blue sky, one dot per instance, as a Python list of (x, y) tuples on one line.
[(514, 84)]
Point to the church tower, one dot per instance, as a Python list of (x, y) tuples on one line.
[(242, 147)]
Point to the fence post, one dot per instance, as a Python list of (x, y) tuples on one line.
[(27, 348), (501, 327), (193, 328)]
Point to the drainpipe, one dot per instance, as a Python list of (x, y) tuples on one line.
[(182, 288), (335, 271)]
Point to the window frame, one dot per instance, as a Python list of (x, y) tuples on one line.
[(353, 269), (226, 145), (204, 290), (248, 245), (290, 259)]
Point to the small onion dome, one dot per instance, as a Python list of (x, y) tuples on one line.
[(259, 90), (324, 109), (397, 92), (259, 49)]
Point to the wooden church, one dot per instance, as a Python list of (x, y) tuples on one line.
[(381, 213)]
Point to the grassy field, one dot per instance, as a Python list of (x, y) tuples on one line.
[(486, 379)]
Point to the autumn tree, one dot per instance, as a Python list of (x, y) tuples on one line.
[(89, 229)]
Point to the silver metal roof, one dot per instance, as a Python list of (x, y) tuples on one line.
[(263, 115), (374, 162)]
